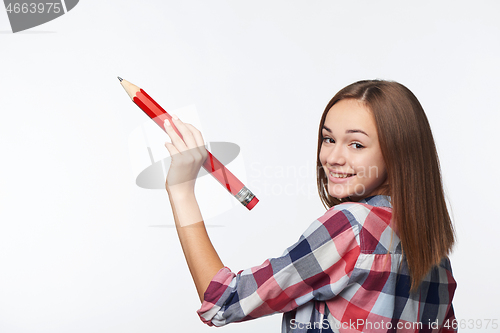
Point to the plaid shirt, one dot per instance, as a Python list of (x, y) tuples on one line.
[(346, 273)]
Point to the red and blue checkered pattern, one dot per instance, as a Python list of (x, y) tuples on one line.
[(346, 273)]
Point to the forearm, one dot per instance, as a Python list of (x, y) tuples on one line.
[(201, 257)]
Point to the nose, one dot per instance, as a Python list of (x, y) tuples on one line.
[(336, 156)]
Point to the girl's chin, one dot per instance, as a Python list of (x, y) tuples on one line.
[(338, 195), (343, 193)]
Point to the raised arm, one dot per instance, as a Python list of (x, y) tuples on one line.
[(188, 154)]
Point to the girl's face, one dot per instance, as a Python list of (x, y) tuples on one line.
[(350, 153)]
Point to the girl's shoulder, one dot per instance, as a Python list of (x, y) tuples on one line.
[(377, 207), (368, 220)]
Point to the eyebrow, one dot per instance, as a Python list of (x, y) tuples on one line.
[(348, 131)]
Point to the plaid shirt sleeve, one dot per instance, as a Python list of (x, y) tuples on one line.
[(347, 268), (317, 267)]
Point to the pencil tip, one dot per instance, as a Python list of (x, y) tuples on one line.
[(119, 78)]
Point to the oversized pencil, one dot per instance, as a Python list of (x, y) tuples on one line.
[(212, 165)]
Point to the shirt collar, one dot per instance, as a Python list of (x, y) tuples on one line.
[(377, 201)]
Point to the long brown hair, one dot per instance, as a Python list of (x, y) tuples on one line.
[(419, 212)]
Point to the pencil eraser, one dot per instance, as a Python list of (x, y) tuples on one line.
[(252, 203)]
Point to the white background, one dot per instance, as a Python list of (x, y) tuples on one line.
[(84, 249)]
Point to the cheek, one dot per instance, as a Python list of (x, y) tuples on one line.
[(367, 166), (322, 156), (377, 169), (358, 163), (380, 164)]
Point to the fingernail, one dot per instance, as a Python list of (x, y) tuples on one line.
[(175, 117), (167, 123)]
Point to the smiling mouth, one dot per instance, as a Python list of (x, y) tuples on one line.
[(341, 175)]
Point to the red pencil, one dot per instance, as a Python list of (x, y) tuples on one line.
[(212, 165)]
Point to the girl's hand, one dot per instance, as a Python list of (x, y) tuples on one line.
[(188, 155)]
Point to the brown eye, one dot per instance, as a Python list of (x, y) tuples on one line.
[(357, 145), (325, 140)]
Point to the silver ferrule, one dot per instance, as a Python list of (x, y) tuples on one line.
[(244, 196)]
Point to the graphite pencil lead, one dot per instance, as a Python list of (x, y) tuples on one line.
[(119, 78)]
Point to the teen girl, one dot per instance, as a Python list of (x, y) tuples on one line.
[(376, 261)]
